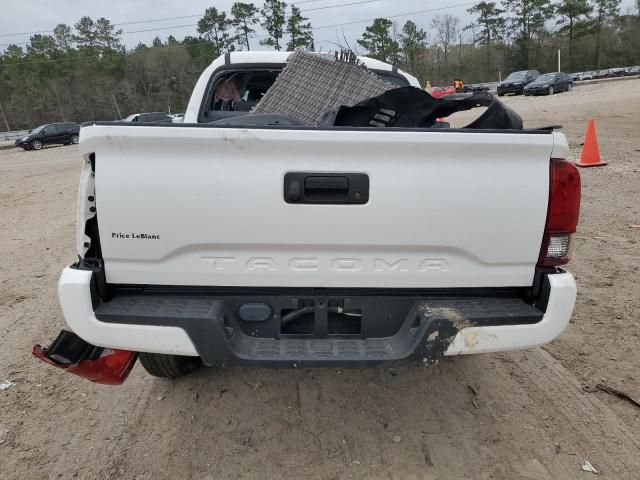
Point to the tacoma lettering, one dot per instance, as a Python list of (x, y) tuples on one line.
[(311, 264)]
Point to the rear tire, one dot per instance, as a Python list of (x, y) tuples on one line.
[(550, 90), (569, 87), (168, 366), (75, 139)]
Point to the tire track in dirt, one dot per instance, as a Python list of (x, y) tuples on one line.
[(276, 424)]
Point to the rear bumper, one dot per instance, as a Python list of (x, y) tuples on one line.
[(537, 91), (432, 328), (516, 89)]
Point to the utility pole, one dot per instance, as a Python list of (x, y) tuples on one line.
[(116, 104), (5, 118), (460, 56), (559, 61)]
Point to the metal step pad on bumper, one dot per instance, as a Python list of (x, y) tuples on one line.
[(221, 337)]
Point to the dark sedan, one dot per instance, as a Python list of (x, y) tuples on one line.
[(61, 133), (516, 82), (632, 71), (151, 117), (549, 83)]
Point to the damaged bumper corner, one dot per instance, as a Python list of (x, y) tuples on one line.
[(501, 338)]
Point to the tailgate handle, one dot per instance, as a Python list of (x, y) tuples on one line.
[(326, 183), (326, 188)]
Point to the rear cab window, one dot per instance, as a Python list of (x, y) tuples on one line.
[(236, 91)]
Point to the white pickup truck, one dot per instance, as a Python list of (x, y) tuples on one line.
[(201, 243)]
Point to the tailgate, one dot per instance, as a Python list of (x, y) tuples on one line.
[(195, 205)]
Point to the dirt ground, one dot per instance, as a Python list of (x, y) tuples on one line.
[(529, 419)]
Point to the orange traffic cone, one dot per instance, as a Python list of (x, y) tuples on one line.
[(590, 150)]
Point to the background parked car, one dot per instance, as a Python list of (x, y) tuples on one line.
[(549, 83), (601, 74), (516, 82), (51, 133), (477, 87), (587, 75), (151, 117), (632, 70), (437, 92)]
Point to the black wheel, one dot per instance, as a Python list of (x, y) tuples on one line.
[(36, 145), (160, 365), (551, 90), (500, 94), (569, 87), (75, 139)]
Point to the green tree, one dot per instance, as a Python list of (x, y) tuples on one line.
[(299, 29), (85, 36), (64, 37), (528, 17), (243, 18), (43, 45), (627, 33), (13, 52), (378, 42), (413, 44), (447, 28), (214, 26), (98, 37), (106, 35), (273, 20), (605, 10), (491, 24), (201, 52), (571, 14)]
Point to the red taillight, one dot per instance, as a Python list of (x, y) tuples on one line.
[(563, 213), (112, 367)]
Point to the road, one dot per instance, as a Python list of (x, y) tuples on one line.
[(501, 416)]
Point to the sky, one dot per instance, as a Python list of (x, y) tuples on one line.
[(352, 16)]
